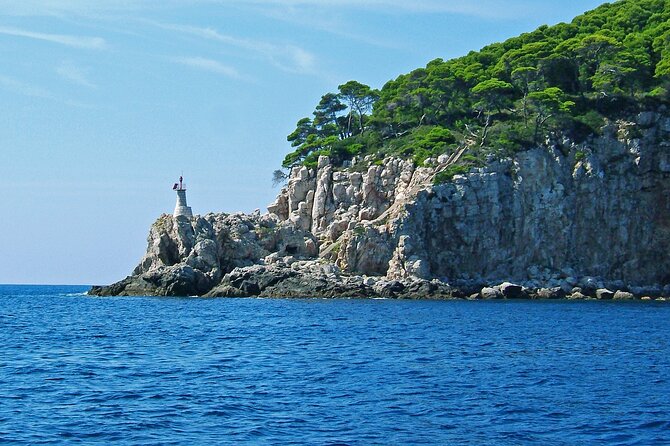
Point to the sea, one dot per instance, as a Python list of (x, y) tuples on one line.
[(77, 369)]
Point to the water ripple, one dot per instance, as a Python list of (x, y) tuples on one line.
[(154, 371)]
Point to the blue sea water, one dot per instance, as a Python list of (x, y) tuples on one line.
[(141, 370)]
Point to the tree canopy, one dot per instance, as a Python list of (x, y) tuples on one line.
[(507, 96)]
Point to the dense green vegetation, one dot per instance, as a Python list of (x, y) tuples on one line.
[(509, 96)]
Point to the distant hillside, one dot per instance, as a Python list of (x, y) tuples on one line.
[(567, 79)]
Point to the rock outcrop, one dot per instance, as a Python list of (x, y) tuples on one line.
[(561, 220), (600, 208), (189, 256)]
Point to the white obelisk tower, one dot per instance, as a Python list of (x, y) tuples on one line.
[(181, 208)]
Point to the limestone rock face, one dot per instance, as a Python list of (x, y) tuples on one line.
[(341, 197), (546, 214), (559, 220), (189, 256), (607, 215)]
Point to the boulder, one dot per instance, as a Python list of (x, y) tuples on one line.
[(577, 296), (604, 294), (551, 293), (488, 293), (512, 291), (389, 288), (425, 289), (590, 285), (226, 291), (623, 295)]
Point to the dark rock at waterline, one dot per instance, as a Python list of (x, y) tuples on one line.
[(577, 295), (550, 293), (433, 289), (284, 281), (604, 294), (390, 288), (490, 293), (178, 280), (512, 291)]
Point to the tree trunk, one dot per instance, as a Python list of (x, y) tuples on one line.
[(485, 130)]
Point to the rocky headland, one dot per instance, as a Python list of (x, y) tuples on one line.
[(561, 220)]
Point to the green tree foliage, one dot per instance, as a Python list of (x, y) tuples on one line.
[(547, 104), (304, 128), (494, 95), (575, 75), (525, 80), (326, 116), (337, 117), (359, 98), (430, 142)]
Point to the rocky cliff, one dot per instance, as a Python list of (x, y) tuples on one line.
[(570, 219)]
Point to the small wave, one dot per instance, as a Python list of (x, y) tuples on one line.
[(217, 413), (655, 425), (144, 371)]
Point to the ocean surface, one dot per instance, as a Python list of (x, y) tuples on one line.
[(142, 370)]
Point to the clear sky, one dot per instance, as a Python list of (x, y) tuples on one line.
[(104, 103)]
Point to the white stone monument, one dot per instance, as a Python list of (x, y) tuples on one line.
[(181, 208)]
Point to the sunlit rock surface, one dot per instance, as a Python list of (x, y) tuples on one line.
[(554, 224)]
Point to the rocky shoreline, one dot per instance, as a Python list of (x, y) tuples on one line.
[(240, 255), (292, 278), (312, 279), (562, 220)]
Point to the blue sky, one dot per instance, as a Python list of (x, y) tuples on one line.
[(104, 103)]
